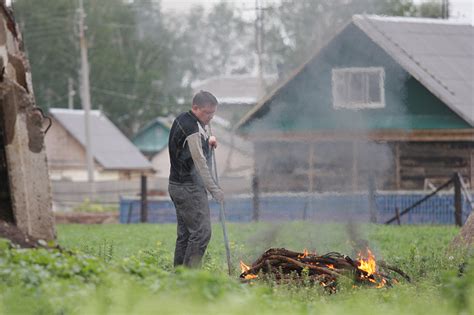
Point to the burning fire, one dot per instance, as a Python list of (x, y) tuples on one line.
[(325, 270), (369, 265), (244, 268), (305, 254)]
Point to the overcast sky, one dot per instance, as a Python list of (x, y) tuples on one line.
[(460, 9)]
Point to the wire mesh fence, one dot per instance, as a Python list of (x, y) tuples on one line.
[(324, 207)]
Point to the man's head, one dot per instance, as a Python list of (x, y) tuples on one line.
[(204, 106)]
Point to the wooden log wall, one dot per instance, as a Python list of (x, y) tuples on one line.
[(348, 165), (282, 166), (422, 163)]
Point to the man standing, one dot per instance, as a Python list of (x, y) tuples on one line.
[(190, 177)]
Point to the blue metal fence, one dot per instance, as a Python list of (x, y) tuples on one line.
[(322, 207)]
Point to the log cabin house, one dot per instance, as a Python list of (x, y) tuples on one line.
[(389, 99)]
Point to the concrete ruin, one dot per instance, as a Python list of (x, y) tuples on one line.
[(25, 190)]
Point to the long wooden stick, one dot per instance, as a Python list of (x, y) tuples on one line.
[(222, 213), (419, 202)]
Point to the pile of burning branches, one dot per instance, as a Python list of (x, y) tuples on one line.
[(325, 270)]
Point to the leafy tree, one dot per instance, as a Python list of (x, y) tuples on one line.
[(431, 9), (189, 42), (131, 62), (132, 75), (215, 42), (296, 28), (51, 46)]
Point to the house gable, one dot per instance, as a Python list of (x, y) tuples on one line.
[(305, 103), (63, 150), (152, 139), (109, 147)]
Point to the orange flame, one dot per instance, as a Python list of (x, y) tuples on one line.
[(305, 254), (368, 264), (381, 284), (245, 268), (370, 267), (330, 266)]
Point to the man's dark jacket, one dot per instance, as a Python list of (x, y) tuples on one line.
[(190, 154)]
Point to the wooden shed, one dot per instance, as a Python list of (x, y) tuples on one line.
[(386, 98)]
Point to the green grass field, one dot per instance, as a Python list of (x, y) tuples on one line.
[(127, 269)]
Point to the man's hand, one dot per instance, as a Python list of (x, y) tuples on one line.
[(213, 142), (219, 196)]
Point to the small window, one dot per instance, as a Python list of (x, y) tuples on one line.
[(357, 88)]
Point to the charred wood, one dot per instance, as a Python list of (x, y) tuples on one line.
[(285, 265)]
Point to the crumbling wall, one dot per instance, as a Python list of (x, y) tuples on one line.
[(23, 136)]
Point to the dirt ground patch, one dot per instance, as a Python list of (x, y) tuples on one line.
[(86, 217), (16, 236)]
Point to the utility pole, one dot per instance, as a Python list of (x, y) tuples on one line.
[(445, 9), (259, 38), (85, 92), (71, 93)]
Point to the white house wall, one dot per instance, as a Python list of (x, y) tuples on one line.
[(81, 175), (62, 149)]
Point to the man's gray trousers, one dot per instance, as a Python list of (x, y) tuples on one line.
[(194, 223)]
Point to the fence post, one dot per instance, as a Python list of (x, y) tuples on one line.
[(256, 197), (397, 214), (305, 209), (457, 201), (129, 214), (143, 199), (372, 205)]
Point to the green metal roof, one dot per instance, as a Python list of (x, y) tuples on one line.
[(152, 138), (304, 102)]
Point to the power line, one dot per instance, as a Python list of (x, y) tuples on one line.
[(132, 82), (49, 20), (58, 100), (126, 96), (119, 25), (44, 35), (27, 29), (114, 93), (44, 10), (129, 97), (43, 31), (40, 34)]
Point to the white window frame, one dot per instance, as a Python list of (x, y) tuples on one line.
[(342, 73)]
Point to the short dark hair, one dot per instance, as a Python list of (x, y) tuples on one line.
[(204, 98)]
